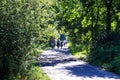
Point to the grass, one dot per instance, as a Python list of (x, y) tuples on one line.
[(80, 55), (78, 52), (36, 73)]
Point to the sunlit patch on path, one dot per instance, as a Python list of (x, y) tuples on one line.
[(59, 64)]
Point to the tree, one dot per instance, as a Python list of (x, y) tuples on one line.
[(22, 24), (93, 28)]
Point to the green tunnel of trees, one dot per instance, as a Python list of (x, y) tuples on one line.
[(92, 26)]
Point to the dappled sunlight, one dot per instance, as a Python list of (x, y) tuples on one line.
[(55, 56), (89, 28), (59, 64)]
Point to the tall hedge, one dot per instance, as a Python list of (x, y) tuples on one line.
[(22, 25)]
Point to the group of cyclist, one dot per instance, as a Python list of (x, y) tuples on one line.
[(59, 43)]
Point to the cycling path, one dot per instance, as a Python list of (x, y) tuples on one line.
[(59, 64)]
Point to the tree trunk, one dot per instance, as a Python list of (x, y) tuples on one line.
[(108, 4)]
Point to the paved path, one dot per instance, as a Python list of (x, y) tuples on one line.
[(59, 64)]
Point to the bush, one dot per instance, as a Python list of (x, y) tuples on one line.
[(106, 56), (36, 73), (20, 36)]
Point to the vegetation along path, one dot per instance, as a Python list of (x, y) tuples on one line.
[(59, 64)]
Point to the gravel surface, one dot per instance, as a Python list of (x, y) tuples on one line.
[(59, 64)]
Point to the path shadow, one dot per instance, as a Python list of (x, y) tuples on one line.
[(86, 70), (61, 56), (52, 62)]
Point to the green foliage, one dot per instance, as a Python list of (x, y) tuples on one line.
[(26, 26), (113, 65), (106, 55), (22, 25), (47, 33), (93, 30), (36, 73)]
